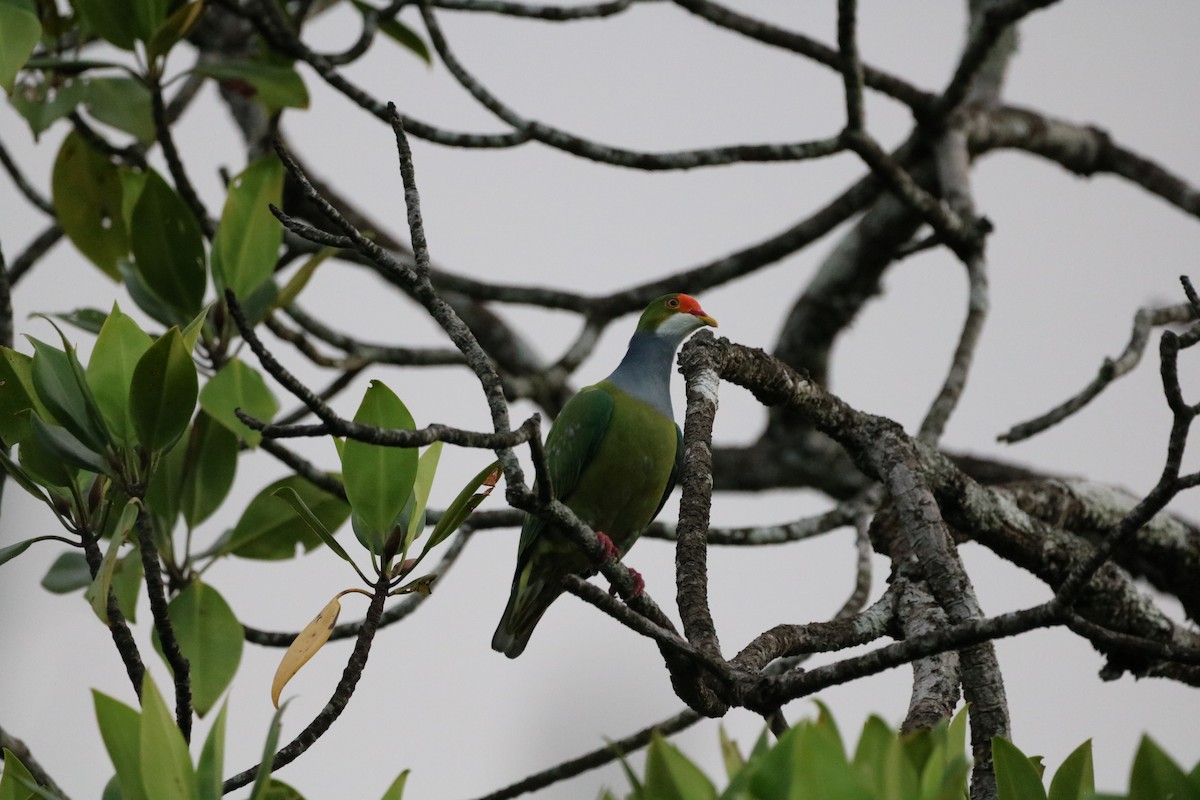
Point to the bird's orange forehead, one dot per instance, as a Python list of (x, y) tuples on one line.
[(689, 304)]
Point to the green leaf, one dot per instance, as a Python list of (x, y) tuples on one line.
[(275, 86), (132, 183), (303, 511), (61, 385), (262, 780), (1156, 777), (44, 467), (379, 479), (87, 200), (21, 34), (98, 591), (401, 33), (466, 502), (246, 246), (731, 756), (191, 333), (295, 285), (278, 790), (168, 249), (422, 485), (235, 386), (210, 636), (1016, 777), (671, 776), (127, 583), (86, 319), (212, 759), (208, 468), (808, 762), (164, 493), (163, 392), (44, 103), (166, 766), (123, 103), (110, 19), (61, 445), (16, 395), (1075, 778), (174, 29), (26, 481), (69, 573), (13, 550), (119, 346), (16, 775), (120, 728), (880, 759), (396, 790), (269, 529)]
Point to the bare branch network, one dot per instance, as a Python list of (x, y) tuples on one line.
[(907, 498)]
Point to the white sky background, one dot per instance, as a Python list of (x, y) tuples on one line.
[(1070, 262)]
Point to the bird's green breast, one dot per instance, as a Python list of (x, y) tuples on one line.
[(620, 488)]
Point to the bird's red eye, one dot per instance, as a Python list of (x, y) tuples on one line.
[(673, 302)]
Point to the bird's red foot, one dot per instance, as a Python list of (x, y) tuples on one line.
[(606, 544), (639, 584)]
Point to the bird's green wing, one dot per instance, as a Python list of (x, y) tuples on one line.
[(676, 468), (570, 446)]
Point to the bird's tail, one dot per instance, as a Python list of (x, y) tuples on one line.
[(530, 598)]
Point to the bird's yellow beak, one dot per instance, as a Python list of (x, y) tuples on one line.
[(705, 318)]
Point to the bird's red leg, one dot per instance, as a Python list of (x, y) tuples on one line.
[(610, 550)]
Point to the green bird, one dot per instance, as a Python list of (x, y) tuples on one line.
[(613, 456)]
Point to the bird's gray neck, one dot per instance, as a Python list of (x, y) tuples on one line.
[(645, 371)]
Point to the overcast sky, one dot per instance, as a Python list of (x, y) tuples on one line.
[(1070, 262)]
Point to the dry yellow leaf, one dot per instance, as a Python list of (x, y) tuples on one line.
[(305, 646)]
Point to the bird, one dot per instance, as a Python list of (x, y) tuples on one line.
[(612, 456)]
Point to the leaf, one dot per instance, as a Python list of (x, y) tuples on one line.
[(208, 469), (61, 385), (262, 782), (127, 583), (1156, 777), (305, 646), (87, 200), (296, 284), (168, 249), (69, 573), (44, 103), (119, 346), (120, 728), (166, 766), (235, 386), (109, 19), (212, 758), (671, 776), (269, 530), (379, 479), (174, 29), (1016, 777), (422, 485), (401, 33), (316, 525), (21, 34), (164, 493), (808, 762), (122, 102), (13, 550), (15, 779), (16, 395), (44, 467), (1074, 779), (275, 86), (62, 446), (396, 790), (278, 790), (210, 636), (97, 593), (466, 502), (246, 246), (880, 759), (730, 755), (163, 392), (86, 319)]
